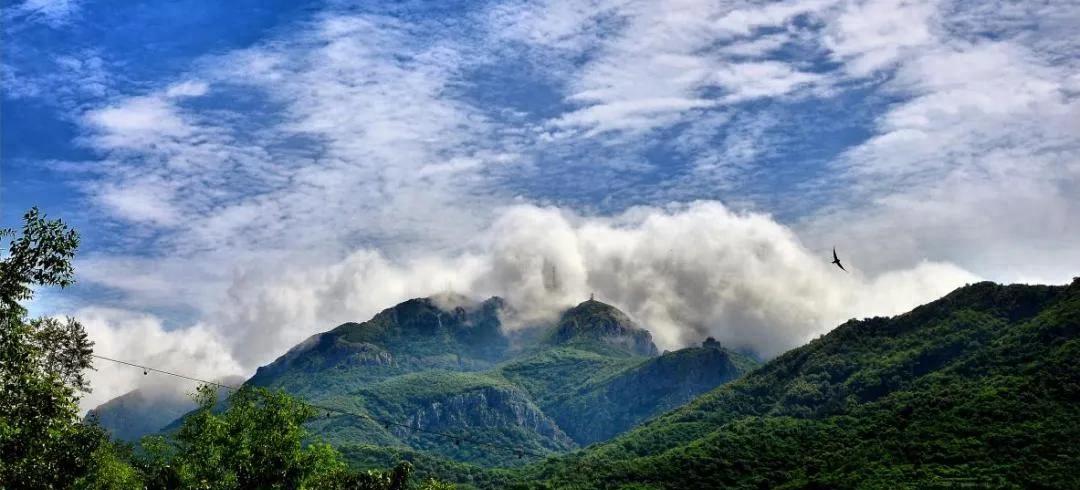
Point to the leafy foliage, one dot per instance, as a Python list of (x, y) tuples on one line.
[(41, 364), (258, 441), (39, 256)]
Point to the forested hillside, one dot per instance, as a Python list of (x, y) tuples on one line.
[(979, 388)]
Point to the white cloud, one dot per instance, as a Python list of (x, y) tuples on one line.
[(195, 351), (137, 123), (743, 19), (52, 12), (652, 65), (685, 273), (189, 88), (139, 202), (979, 165), (760, 79), (874, 34), (362, 136), (694, 271), (553, 24), (630, 114)]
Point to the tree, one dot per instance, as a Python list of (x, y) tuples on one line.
[(110, 469), (42, 443), (257, 441)]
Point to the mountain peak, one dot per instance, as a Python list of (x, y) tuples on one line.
[(596, 321)]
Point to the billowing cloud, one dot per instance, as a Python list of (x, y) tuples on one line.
[(695, 270), (684, 272)]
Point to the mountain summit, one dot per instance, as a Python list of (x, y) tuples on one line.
[(595, 322)]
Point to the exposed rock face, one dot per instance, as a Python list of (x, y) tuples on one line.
[(593, 321), (488, 407), (364, 354)]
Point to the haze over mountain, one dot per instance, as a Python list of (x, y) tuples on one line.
[(148, 410), (978, 387), (448, 365)]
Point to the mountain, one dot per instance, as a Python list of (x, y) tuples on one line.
[(448, 365), (139, 412), (144, 411), (980, 388)]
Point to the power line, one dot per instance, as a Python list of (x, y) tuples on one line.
[(519, 452)]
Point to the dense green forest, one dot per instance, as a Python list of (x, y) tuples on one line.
[(977, 389)]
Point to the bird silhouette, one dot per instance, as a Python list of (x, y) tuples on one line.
[(836, 260)]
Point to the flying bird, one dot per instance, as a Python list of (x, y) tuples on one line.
[(836, 260)]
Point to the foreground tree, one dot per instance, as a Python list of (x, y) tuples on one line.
[(42, 443), (258, 441)]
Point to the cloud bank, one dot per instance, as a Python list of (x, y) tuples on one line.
[(685, 272)]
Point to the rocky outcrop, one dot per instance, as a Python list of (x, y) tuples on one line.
[(486, 408), (363, 354)]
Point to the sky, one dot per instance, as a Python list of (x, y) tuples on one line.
[(246, 174)]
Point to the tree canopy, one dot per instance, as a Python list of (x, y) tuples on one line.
[(41, 363)]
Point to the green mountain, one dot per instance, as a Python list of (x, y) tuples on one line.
[(979, 389), (449, 366)]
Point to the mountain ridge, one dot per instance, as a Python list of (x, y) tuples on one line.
[(447, 364), (977, 388)]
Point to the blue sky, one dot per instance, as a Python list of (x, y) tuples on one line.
[(247, 173)]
